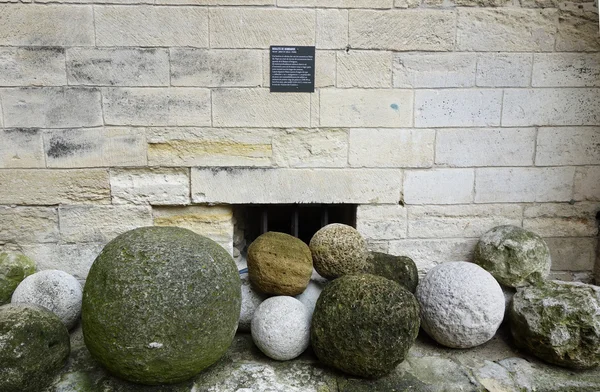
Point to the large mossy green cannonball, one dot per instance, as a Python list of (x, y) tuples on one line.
[(34, 346), (364, 325), (160, 304)]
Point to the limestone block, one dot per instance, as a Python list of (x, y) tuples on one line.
[(524, 185), (577, 31), (241, 185), (431, 30), (75, 259), (407, 3), (332, 29), (336, 3), (146, 25), (460, 221), (51, 107), (568, 146), (95, 147), (160, 186), (364, 69), (32, 67), (391, 147), (311, 148), (572, 254), (100, 224), (21, 148), (216, 68), (209, 147), (485, 147), (544, 106), (218, 2), (25, 225), (259, 108), (50, 187), (366, 108), (181, 106), (506, 29), (214, 222), (46, 25), (587, 183), (457, 107), (381, 222), (118, 66), (562, 220), (315, 109), (438, 186), (243, 27), (434, 69), (504, 69), (566, 70)]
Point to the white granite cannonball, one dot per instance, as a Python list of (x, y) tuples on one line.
[(54, 290), (251, 299), (281, 328), (462, 305)]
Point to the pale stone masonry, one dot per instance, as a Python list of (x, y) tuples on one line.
[(438, 119)]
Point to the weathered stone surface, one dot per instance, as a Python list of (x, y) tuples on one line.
[(457, 108), (332, 28), (364, 69), (260, 28), (485, 147), (62, 25), (434, 69), (504, 69), (462, 305), (21, 148), (181, 106), (279, 264), (400, 269), (160, 186), (577, 31), (506, 29), (54, 290), (50, 187), (364, 325), (51, 107), (35, 346), (75, 259), (146, 25), (338, 250), (391, 147), (281, 328), (559, 322), (381, 222), (438, 186), (118, 67), (573, 254), (251, 299), (14, 267), (311, 147), (523, 184), (587, 183), (562, 220), (32, 67), (166, 282), (568, 146), (566, 70), (22, 225), (427, 30), (516, 257), (336, 3), (366, 108)]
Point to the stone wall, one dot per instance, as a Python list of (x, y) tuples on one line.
[(440, 118)]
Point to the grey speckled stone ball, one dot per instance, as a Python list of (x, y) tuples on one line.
[(462, 305), (281, 328), (56, 291), (514, 256), (338, 250), (251, 299)]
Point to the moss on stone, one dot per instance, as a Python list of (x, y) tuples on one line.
[(364, 325), (400, 269), (14, 267), (160, 305)]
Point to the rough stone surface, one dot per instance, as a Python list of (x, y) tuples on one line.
[(559, 322), (364, 325), (312, 292), (251, 299), (165, 282), (400, 269), (161, 186), (462, 305), (281, 328), (514, 256), (337, 250), (14, 267), (34, 347), (279, 264), (54, 290)]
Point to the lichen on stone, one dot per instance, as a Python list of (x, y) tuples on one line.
[(337, 250), (14, 267), (400, 269)]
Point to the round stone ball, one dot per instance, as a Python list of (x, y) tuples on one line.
[(400, 269), (54, 290), (251, 299), (281, 328), (160, 305), (34, 347), (14, 267), (310, 296), (514, 256), (337, 250), (364, 325), (279, 264), (462, 305)]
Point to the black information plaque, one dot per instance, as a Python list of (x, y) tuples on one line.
[(292, 69)]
